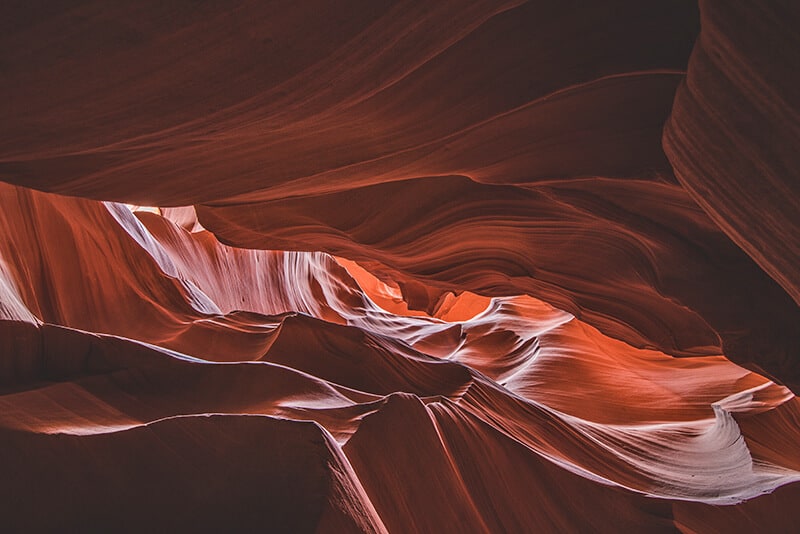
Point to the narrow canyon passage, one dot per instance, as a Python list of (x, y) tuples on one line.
[(376, 266)]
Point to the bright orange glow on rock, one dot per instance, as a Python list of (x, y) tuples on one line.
[(450, 307)]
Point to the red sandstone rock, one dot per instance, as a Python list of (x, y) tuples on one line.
[(476, 295)]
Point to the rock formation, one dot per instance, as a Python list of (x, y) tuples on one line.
[(487, 266)]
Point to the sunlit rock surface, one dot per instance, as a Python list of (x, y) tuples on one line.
[(399, 266)]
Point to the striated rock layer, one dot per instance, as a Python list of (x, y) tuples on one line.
[(486, 266), (495, 402), (733, 135)]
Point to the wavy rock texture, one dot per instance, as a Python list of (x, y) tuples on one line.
[(398, 400), (416, 267), (198, 104), (661, 274), (733, 135)]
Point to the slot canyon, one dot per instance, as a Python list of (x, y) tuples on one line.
[(400, 266)]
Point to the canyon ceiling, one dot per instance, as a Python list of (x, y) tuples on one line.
[(404, 266)]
